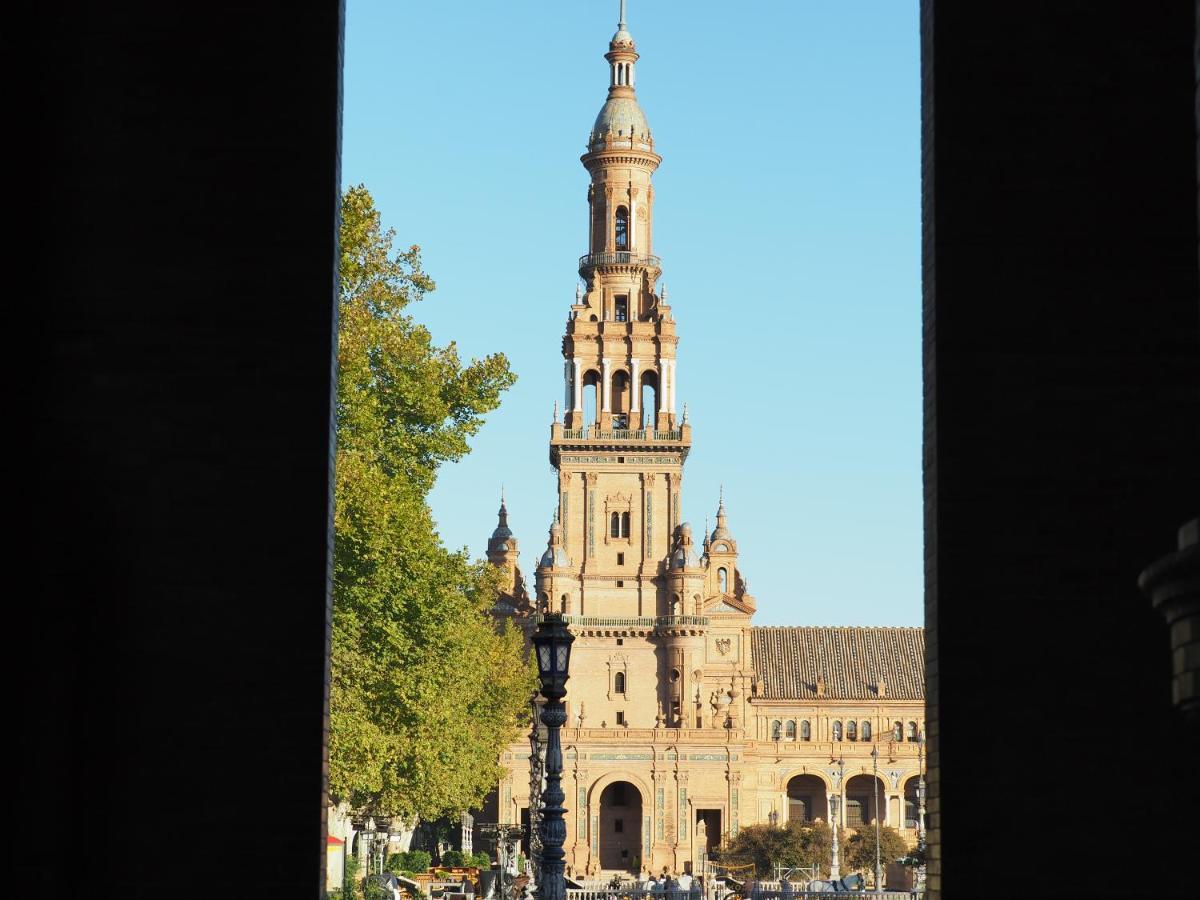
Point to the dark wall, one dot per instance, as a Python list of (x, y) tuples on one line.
[(1062, 370), (180, 197)]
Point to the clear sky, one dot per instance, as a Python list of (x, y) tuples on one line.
[(787, 216)]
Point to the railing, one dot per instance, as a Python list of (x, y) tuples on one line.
[(620, 258), (621, 434), (639, 893), (629, 621)]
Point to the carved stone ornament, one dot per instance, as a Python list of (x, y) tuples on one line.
[(724, 645)]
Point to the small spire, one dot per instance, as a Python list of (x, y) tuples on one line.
[(621, 24), (555, 412), (684, 412), (578, 294)]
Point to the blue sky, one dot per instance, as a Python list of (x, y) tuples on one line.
[(787, 216)]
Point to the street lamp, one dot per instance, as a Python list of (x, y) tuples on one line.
[(875, 774), (835, 869), (537, 770), (921, 808), (552, 643)]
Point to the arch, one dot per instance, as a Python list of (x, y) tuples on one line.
[(864, 731), (620, 397), (805, 730), (912, 732), (648, 401), (777, 730), (544, 601), (790, 730), (852, 730), (621, 229), (619, 683), (912, 802), (723, 580), (614, 526), (865, 802), (619, 817), (625, 524), (836, 729), (808, 798), (897, 731), (591, 397), (565, 603)]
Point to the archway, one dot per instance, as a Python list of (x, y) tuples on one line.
[(912, 804), (866, 797), (620, 827), (648, 402), (591, 398), (807, 799)]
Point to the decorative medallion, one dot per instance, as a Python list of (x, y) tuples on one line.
[(724, 645)]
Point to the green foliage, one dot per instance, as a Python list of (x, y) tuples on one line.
[(463, 860), (425, 690), (410, 861), (796, 844), (859, 852)]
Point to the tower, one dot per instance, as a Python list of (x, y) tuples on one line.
[(684, 720), (620, 450)]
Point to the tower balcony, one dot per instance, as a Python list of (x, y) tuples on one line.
[(633, 626), (618, 260), (678, 439)]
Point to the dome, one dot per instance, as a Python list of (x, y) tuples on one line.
[(555, 557), (623, 117), (622, 37)]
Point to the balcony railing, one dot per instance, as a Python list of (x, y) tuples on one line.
[(622, 434), (630, 621), (619, 258)]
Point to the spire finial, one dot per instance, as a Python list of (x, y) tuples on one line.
[(621, 24), (555, 412)]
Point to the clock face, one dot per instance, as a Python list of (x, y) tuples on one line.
[(720, 548)]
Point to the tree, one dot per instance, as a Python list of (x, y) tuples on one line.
[(425, 689), (859, 851), (796, 844)]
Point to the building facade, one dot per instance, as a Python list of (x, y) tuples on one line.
[(686, 721)]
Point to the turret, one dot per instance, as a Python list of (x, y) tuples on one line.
[(554, 577)]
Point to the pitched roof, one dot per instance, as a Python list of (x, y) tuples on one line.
[(788, 660)]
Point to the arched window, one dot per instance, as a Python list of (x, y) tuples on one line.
[(805, 731), (622, 228), (912, 731), (649, 399), (898, 731), (776, 730), (837, 730), (722, 580), (791, 730), (624, 524), (565, 600), (615, 530), (851, 730), (619, 683), (865, 731)]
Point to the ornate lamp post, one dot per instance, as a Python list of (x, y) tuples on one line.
[(537, 769), (875, 773), (921, 793), (552, 643), (835, 869)]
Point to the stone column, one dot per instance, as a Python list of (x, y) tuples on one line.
[(577, 383), (606, 387), (634, 386)]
